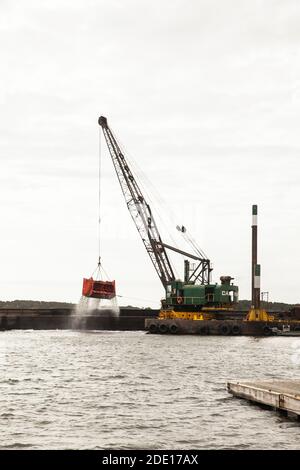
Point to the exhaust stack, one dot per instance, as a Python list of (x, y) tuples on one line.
[(256, 313), (255, 297)]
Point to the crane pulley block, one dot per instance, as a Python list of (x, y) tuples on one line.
[(98, 289)]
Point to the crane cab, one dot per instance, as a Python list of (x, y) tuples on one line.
[(181, 295)]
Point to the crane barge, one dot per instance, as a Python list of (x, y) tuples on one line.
[(192, 305), (193, 298)]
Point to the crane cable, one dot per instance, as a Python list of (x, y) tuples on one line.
[(99, 201), (137, 298), (99, 269), (149, 189)]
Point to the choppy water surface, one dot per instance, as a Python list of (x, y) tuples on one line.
[(129, 390)]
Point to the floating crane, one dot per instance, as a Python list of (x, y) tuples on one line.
[(196, 291)]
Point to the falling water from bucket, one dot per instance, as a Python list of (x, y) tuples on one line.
[(88, 306)]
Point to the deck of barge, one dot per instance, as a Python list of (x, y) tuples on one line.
[(129, 318)]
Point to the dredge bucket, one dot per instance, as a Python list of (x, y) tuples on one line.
[(98, 289)]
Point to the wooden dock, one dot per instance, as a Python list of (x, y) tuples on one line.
[(281, 395)]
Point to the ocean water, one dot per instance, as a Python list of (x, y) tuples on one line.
[(130, 390)]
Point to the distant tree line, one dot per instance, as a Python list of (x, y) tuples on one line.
[(275, 306), (242, 305), (34, 304), (44, 304)]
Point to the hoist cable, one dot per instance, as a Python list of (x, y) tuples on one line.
[(99, 200), (99, 269), (153, 197), (159, 204)]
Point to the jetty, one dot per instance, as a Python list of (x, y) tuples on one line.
[(283, 395)]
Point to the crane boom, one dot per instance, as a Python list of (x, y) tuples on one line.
[(139, 210)]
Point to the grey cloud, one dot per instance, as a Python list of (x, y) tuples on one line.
[(205, 97)]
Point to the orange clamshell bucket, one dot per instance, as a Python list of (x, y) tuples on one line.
[(98, 289)]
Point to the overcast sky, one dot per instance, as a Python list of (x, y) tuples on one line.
[(204, 96)]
